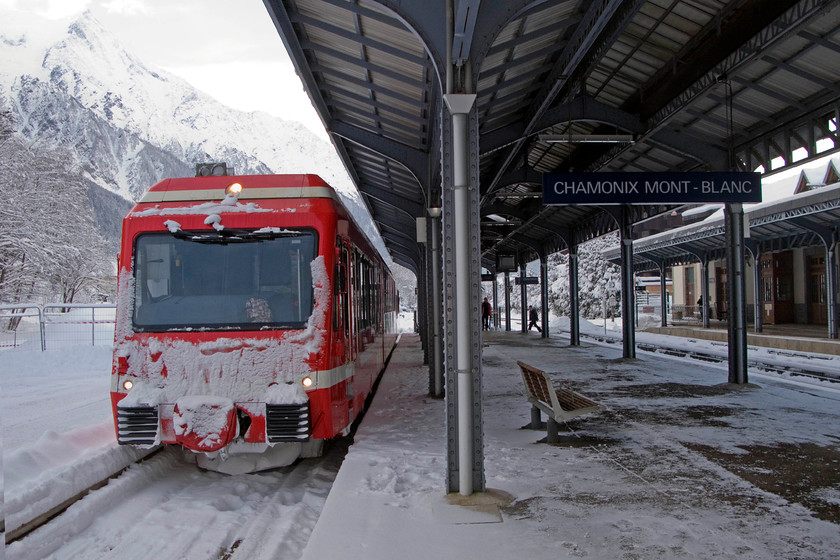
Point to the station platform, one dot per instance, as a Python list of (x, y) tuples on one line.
[(679, 465)]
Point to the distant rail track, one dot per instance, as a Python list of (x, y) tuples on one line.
[(709, 357)]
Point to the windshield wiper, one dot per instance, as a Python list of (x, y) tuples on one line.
[(226, 236)]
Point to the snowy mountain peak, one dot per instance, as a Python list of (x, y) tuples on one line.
[(73, 83)]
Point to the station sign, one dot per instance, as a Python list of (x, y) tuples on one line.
[(651, 188), (527, 280)]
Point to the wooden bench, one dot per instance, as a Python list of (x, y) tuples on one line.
[(559, 404)]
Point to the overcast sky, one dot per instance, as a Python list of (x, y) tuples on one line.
[(228, 49)]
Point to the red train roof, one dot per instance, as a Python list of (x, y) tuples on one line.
[(253, 186)]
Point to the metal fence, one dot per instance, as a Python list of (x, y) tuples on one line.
[(56, 325)]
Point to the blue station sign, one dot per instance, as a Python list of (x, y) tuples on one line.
[(650, 188)]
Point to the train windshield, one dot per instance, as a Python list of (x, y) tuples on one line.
[(231, 281)]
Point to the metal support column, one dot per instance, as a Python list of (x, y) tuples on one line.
[(507, 301), (758, 308), (436, 315), (663, 296), (758, 292), (470, 464), (574, 299), (628, 286), (422, 303), (736, 286), (704, 290), (544, 293), (523, 294), (831, 284), (494, 316)]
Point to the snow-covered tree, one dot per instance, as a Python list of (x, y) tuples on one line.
[(598, 280), (7, 123), (49, 248)]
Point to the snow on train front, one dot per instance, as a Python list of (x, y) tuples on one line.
[(228, 340)]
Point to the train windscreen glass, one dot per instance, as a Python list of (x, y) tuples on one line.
[(231, 280)]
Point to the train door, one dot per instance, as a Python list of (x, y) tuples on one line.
[(341, 313), (355, 326), (817, 307), (351, 305)]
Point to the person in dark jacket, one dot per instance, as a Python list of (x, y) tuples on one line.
[(533, 317), (485, 315)]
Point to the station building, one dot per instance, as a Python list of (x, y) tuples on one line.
[(794, 239)]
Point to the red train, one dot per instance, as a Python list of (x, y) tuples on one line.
[(253, 318)]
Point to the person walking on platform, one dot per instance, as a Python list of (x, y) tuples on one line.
[(485, 315), (533, 317)]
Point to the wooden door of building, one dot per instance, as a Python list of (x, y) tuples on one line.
[(777, 287), (817, 308), (721, 293), (691, 292)]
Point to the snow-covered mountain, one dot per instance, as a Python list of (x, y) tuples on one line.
[(72, 83)]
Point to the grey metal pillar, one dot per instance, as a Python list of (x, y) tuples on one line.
[(467, 280), (736, 286), (831, 284), (423, 305), (704, 290), (523, 294), (436, 285), (507, 301), (663, 294), (628, 286), (422, 302), (494, 316), (574, 300), (544, 293), (758, 308), (758, 292)]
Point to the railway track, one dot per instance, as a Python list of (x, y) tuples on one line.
[(164, 507), (768, 366), (25, 529)]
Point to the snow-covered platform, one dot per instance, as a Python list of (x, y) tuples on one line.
[(680, 465)]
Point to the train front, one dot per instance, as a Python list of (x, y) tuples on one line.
[(222, 318)]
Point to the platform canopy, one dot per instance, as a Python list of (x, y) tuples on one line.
[(562, 85), (805, 220)]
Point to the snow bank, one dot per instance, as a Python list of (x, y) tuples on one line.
[(57, 467)]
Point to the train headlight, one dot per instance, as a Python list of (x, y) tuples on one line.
[(233, 189), (307, 382), (128, 384)]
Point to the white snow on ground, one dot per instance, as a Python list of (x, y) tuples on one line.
[(631, 489), (632, 500)]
